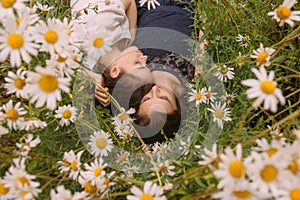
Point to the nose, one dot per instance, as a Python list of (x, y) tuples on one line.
[(142, 58), (155, 91)]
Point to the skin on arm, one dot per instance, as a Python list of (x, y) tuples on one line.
[(131, 12)]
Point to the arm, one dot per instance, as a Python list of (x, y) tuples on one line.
[(131, 12)]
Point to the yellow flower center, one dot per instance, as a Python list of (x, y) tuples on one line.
[(23, 180), (224, 70), (123, 116), (74, 165), (97, 171), (295, 194), (294, 166), (198, 96), (163, 168), (146, 197), (242, 194), (51, 37), (67, 114), (12, 114), (61, 59), (48, 83), (208, 94), (272, 151), (3, 190), (240, 59), (20, 83), (101, 143), (283, 13), (236, 169), (268, 87), (98, 42), (15, 40), (106, 182), (123, 158), (262, 57), (127, 137), (89, 188), (8, 3), (219, 114), (268, 173), (66, 163), (122, 127)]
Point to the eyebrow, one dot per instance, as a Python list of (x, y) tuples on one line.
[(167, 99)]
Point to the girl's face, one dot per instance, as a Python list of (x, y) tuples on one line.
[(133, 59), (162, 96)]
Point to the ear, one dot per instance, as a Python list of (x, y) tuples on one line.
[(114, 71)]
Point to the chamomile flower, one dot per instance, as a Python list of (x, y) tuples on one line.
[(210, 157), (228, 97), (150, 3), (29, 143), (100, 143), (220, 113), (16, 43), (15, 83), (7, 7), (262, 55), (268, 173), (31, 124), (71, 163), (264, 89), (124, 116), (44, 8), (240, 59), (284, 14), (97, 42), (242, 190), (94, 171), (45, 87), (60, 193), (272, 148), (231, 167), (291, 190), (150, 191), (198, 96), (5, 192), (210, 96), (164, 167), (243, 40), (224, 73), (52, 36), (66, 114), (14, 115)]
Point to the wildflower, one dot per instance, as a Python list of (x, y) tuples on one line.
[(276, 135), (97, 42), (291, 189), (150, 3), (262, 55), (52, 36), (71, 163), (16, 43), (240, 59), (124, 117), (100, 143), (210, 157), (16, 83), (44, 8), (13, 115), (228, 97), (225, 73), (94, 171), (198, 96), (150, 191), (89, 187), (7, 7), (209, 95), (32, 124), (67, 114), (165, 168), (231, 167), (242, 189), (45, 87), (221, 113), (25, 148), (268, 173), (284, 14), (271, 148), (243, 39), (60, 193), (265, 89)]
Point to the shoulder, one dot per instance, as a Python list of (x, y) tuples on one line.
[(126, 3)]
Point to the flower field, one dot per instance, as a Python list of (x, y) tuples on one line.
[(242, 140)]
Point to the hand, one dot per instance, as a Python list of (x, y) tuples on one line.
[(150, 3), (101, 93)]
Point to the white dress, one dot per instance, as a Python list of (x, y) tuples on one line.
[(108, 14)]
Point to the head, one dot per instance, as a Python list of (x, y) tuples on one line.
[(159, 115)]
